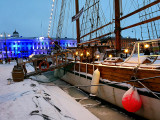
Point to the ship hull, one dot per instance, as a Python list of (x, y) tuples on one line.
[(113, 92)]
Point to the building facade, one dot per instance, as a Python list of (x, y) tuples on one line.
[(111, 42), (14, 47)]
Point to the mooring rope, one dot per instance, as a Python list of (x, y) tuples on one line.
[(149, 90)]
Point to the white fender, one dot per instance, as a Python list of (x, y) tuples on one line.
[(95, 81)]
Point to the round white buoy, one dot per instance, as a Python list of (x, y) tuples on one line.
[(95, 81)]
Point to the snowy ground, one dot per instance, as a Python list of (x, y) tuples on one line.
[(28, 100)]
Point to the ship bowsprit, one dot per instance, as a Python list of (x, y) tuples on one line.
[(44, 64)]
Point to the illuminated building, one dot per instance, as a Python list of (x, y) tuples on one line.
[(25, 46)]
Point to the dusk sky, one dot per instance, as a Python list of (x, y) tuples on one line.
[(31, 17), (25, 16)]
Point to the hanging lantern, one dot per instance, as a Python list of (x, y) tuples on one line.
[(131, 100)]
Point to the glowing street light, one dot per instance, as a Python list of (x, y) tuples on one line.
[(126, 51), (110, 56), (76, 53), (81, 54), (87, 54), (146, 46)]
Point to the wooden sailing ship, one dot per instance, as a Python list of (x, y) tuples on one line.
[(116, 77)]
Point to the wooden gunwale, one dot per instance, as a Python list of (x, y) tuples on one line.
[(120, 74)]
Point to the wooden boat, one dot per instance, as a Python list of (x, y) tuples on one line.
[(116, 77)]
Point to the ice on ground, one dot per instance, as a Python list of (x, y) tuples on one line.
[(28, 100), (40, 78)]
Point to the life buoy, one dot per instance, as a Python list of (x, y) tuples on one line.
[(43, 69)]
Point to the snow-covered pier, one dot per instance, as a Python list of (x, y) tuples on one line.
[(28, 100)]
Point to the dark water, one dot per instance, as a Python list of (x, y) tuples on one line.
[(102, 109)]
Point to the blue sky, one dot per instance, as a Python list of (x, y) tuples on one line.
[(26, 16)]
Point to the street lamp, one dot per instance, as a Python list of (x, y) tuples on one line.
[(87, 55), (75, 55), (110, 56), (126, 51), (146, 46), (81, 55)]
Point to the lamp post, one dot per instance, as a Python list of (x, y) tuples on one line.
[(126, 51), (147, 51), (110, 56), (81, 55), (87, 55), (146, 46), (75, 55)]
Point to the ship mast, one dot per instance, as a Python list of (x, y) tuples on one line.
[(117, 26), (77, 21)]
